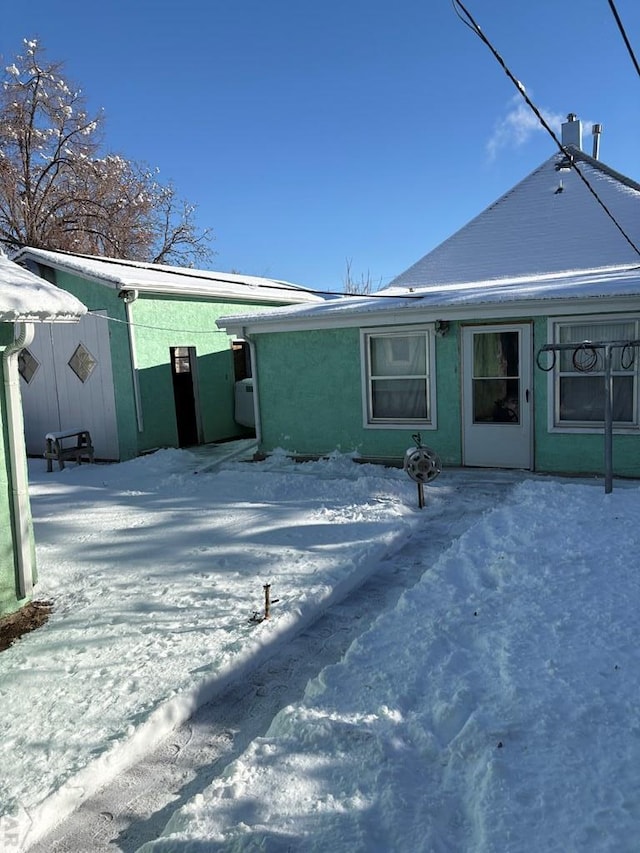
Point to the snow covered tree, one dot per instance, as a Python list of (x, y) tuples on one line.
[(60, 191)]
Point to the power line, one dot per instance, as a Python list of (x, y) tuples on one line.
[(109, 319), (624, 36), (203, 275), (471, 23)]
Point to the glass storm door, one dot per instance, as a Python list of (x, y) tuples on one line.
[(497, 403)]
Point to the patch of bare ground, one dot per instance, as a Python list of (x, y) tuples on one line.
[(28, 618)]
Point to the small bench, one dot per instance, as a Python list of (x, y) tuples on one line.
[(72, 444)]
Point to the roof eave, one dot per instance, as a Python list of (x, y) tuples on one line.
[(6, 317), (281, 294), (548, 306)]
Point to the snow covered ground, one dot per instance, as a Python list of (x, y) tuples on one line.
[(156, 567), (493, 709)]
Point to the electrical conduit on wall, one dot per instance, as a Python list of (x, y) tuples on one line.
[(23, 336), (130, 296)]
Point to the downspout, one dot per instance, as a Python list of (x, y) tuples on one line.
[(254, 374), (129, 297), (23, 336)]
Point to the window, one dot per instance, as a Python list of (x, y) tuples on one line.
[(496, 377), (28, 365), (579, 393), (398, 377), (82, 362), (241, 360)]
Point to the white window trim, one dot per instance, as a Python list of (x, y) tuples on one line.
[(553, 386), (427, 329)]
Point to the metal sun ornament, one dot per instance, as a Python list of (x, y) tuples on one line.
[(422, 464)]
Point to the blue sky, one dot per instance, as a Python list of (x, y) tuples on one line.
[(308, 133)]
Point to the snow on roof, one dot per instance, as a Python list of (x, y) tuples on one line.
[(549, 222), (29, 298), (159, 278), (534, 294)]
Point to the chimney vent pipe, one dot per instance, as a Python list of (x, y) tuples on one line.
[(572, 132), (596, 130)]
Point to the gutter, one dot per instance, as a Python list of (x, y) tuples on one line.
[(129, 296), (254, 374), (23, 336)]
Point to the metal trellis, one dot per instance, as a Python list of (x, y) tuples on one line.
[(585, 359)]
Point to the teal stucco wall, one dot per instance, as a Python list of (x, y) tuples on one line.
[(9, 600), (310, 391), (576, 452), (310, 394), (162, 323)]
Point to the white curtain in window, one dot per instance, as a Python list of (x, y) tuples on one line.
[(399, 377)]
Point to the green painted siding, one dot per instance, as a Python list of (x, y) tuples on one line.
[(575, 453), (183, 322), (9, 601), (310, 393), (310, 389)]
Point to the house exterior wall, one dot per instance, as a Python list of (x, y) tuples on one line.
[(310, 390), (162, 323), (9, 600), (310, 393), (576, 452)]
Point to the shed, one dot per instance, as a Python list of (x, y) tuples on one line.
[(147, 367)]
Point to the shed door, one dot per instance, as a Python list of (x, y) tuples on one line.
[(184, 372), (67, 383), (497, 404)]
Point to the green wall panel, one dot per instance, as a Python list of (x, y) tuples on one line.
[(310, 391), (182, 322), (311, 403), (9, 601), (578, 452)]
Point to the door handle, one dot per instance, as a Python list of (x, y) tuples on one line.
[(526, 395)]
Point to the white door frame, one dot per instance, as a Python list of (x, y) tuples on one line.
[(503, 437)]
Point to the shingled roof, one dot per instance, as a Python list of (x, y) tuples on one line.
[(548, 223)]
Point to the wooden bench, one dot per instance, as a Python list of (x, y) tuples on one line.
[(72, 444)]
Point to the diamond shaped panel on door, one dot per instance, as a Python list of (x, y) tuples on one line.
[(82, 363)]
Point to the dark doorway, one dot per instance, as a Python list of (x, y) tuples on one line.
[(185, 394)]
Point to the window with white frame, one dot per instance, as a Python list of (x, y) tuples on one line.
[(398, 376), (579, 375)]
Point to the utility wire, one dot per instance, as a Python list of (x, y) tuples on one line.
[(624, 36), (109, 319), (216, 277), (471, 23)]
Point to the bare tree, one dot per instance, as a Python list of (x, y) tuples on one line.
[(364, 285), (59, 190)]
